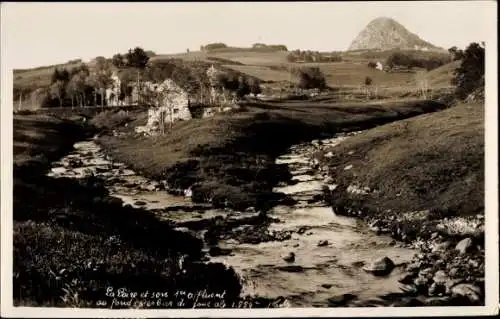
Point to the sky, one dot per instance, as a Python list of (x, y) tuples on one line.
[(37, 34)]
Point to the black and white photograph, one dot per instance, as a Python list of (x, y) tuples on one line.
[(249, 159)]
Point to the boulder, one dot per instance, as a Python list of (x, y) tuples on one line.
[(469, 291), (380, 267), (464, 245)]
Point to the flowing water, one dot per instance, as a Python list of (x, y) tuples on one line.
[(319, 271)]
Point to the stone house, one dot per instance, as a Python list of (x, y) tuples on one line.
[(171, 103)]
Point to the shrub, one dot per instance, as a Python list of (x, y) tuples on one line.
[(311, 78), (372, 64), (110, 119), (470, 75), (368, 80)]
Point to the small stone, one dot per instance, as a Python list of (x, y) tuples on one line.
[(421, 281), (451, 283), (426, 273), (140, 203), (348, 167), (406, 278), (380, 267), (301, 230), (471, 292), (453, 272), (432, 290), (440, 277), (464, 245), (340, 300), (441, 247), (409, 289), (290, 257), (434, 235), (323, 243), (327, 286)]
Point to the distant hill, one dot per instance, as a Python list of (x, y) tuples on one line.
[(387, 34)]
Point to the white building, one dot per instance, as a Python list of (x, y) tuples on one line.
[(379, 66)]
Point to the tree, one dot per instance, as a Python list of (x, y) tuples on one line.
[(470, 75), (102, 77), (456, 53), (57, 90), (311, 78), (243, 87), (254, 86), (137, 58), (72, 90), (118, 61)]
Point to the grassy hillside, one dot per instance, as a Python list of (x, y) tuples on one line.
[(229, 159), (434, 161), (442, 76), (38, 77)]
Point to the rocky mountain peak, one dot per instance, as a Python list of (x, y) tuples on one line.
[(385, 33)]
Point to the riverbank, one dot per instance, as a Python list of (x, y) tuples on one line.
[(72, 241), (228, 161), (420, 180)]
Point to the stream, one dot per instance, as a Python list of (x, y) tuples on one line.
[(330, 251)]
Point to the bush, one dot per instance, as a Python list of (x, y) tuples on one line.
[(311, 78), (470, 75), (368, 80), (110, 119), (213, 46), (409, 61), (372, 65)]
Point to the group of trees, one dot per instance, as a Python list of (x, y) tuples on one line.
[(270, 47), (310, 78), (312, 56), (78, 86), (469, 76), (456, 53), (402, 60), (213, 46), (241, 85)]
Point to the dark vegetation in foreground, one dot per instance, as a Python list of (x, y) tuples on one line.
[(229, 160), (72, 241)]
